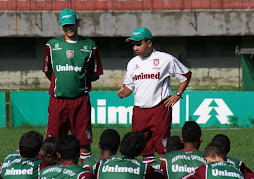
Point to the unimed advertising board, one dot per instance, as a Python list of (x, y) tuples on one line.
[(207, 108)]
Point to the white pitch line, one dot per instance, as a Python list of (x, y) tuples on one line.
[(211, 129), (218, 129)]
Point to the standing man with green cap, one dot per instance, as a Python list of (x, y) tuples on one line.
[(71, 63), (148, 76)]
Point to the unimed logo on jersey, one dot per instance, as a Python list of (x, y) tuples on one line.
[(16, 172), (68, 67), (147, 76)]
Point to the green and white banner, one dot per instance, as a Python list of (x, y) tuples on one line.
[(216, 108), (108, 108), (207, 108)]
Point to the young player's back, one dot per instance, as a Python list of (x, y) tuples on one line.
[(216, 170), (24, 163), (72, 171), (121, 167), (222, 170), (90, 162), (15, 166), (178, 163), (224, 141)]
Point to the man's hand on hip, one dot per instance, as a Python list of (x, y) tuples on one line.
[(171, 100)]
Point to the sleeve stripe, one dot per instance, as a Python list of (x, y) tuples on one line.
[(187, 75)]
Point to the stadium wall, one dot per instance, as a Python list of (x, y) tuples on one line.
[(177, 31), (114, 78)]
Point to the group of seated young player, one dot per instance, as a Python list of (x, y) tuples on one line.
[(190, 163), (182, 159)]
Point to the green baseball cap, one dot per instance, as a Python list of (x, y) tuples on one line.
[(139, 34), (67, 16)]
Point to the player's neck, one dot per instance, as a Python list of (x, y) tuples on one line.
[(215, 159), (72, 38), (106, 153), (190, 146), (68, 162), (148, 53)]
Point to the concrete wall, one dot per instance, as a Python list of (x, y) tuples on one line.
[(114, 78), (122, 23), (20, 72)]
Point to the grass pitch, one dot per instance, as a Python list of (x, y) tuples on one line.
[(241, 140)]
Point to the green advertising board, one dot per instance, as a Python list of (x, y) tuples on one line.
[(217, 108), (207, 108), (29, 108), (2, 109), (108, 108)]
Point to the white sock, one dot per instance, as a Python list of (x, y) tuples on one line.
[(85, 155), (149, 159)]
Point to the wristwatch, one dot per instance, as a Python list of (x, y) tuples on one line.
[(179, 94)]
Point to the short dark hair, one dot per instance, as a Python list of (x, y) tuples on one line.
[(49, 148), (191, 132), (222, 140), (110, 140), (174, 143), (30, 144), (214, 149), (133, 143), (69, 148), (146, 40)]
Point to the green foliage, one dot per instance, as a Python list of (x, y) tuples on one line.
[(251, 120), (233, 121)]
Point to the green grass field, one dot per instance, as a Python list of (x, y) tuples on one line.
[(241, 140)]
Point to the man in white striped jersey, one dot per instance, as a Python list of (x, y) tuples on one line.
[(148, 76)]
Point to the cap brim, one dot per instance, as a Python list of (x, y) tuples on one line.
[(68, 23), (130, 39)]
